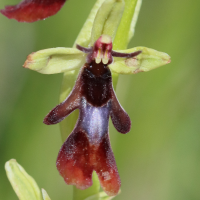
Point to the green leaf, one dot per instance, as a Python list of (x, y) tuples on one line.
[(54, 60), (149, 59), (45, 195), (24, 185)]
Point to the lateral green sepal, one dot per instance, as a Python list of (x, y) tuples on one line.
[(149, 59), (54, 60)]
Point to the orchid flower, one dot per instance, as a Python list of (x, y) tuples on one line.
[(97, 56), (88, 147)]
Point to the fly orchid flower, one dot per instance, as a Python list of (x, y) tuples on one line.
[(88, 148), (33, 10)]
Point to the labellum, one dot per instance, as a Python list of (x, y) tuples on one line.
[(88, 147)]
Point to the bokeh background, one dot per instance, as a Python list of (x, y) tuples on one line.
[(160, 158)]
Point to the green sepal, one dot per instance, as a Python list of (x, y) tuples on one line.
[(149, 59), (23, 184), (84, 36), (107, 19), (54, 60), (45, 195), (100, 19)]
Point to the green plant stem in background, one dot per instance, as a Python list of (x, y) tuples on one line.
[(122, 37)]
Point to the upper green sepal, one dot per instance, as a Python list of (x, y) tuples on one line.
[(107, 19), (55, 60), (149, 59)]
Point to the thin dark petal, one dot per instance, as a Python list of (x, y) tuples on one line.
[(84, 49), (61, 111), (120, 118), (33, 10), (106, 168), (125, 55)]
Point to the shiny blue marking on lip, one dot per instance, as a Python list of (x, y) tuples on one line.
[(94, 120)]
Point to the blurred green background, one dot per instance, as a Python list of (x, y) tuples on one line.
[(160, 158)]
